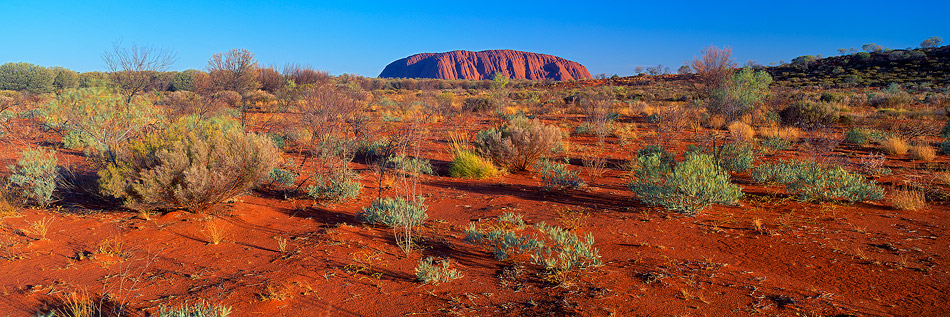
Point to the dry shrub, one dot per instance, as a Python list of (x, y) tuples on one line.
[(907, 199), (519, 145), (942, 177), (923, 152), (741, 131), (790, 134), (716, 122), (192, 165), (895, 146)]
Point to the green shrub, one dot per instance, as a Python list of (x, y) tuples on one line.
[(776, 144), (556, 176), (35, 175), (428, 272), (520, 144), (201, 309), (865, 136), (736, 157), (665, 156), (395, 212), (190, 165), (564, 252), (479, 104), (688, 187), (336, 187), (467, 164), (810, 181), (806, 114), (98, 119), (411, 165), (740, 93)]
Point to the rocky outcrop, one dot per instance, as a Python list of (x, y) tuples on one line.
[(484, 65)]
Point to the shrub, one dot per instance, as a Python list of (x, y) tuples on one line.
[(191, 165), (736, 157), (895, 146), (864, 136), (395, 212), (479, 104), (740, 92), (567, 251), (741, 132), (99, 119), (776, 144), (35, 175), (810, 181), (411, 165), (520, 144), (201, 309), (806, 114), (688, 187), (556, 176), (923, 152), (467, 164), (336, 187), (907, 200), (429, 273), (665, 156)]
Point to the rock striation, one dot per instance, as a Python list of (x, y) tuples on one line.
[(484, 65)]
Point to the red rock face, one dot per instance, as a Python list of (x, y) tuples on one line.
[(484, 65)]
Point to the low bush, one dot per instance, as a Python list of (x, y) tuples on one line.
[(191, 165), (736, 157), (790, 134), (895, 146), (411, 165), (810, 181), (688, 187), (335, 187), (864, 136), (395, 212), (35, 175), (565, 252), (201, 309), (776, 144), (556, 176), (808, 114), (520, 144), (428, 272)]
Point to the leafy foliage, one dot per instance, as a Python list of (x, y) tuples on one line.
[(336, 187), (520, 144), (396, 212), (191, 165), (810, 181), (429, 272), (35, 175), (556, 176), (688, 187)]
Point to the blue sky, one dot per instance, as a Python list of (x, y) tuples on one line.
[(362, 37)]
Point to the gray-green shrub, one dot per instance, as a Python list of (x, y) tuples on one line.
[(736, 156), (688, 187), (395, 212), (556, 176), (336, 187), (810, 181), (35, 175), (200, 309), (190, 165), (428, 272)]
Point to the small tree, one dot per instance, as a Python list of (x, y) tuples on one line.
[(713, 67), (738, 94), (234, 70), (931, 42), (134, 70)]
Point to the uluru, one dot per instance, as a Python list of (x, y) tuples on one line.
[(484, 65)]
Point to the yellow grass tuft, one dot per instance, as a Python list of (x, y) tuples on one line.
[(907, 199), (895, 146), (741, 131), (923, 152)]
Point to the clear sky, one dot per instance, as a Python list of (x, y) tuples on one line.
[(362, 37)]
